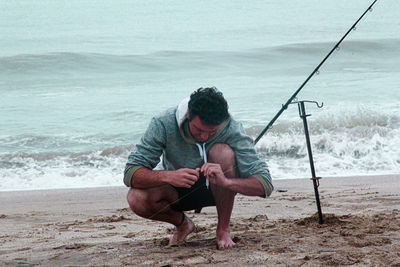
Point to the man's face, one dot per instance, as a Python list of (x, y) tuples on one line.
[(200, 130)]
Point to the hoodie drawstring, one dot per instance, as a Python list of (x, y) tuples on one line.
[(203, 154)]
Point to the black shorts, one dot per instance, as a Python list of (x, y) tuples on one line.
[(198, 196)]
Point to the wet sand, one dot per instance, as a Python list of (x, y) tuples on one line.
[(94, 227)]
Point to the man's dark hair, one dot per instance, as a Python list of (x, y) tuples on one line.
[(209, 104)]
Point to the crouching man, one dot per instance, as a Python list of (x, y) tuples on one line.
[(207, 158)]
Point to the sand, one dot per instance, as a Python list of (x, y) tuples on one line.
[(94, 227)]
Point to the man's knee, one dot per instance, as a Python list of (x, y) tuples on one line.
[(139, 200), (132, 198), (221, 153), (144, 201)]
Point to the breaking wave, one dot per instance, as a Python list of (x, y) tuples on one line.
[(346, 141)]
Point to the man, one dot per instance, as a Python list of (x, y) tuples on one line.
[(206, 157)]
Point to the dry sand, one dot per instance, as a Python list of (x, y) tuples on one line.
[(94, 227)]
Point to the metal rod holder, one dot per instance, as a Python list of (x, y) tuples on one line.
[(315, 179)]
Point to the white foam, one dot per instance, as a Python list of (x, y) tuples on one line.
[(341, 151)]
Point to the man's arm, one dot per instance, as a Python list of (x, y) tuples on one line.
[(246, 186), (145, 178), (146, 154), (248, 162)]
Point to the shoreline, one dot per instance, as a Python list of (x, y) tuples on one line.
[(393, 175), (94, 226)]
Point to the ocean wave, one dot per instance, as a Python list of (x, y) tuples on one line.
[(97, 159), (353, 45), (347, 151), (353, 123), (51, 169), (360, 120), (346, 140), (165, 61), (335, 153)]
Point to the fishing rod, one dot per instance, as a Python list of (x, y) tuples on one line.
[(285, 106)]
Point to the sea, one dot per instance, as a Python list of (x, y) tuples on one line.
[(80, 81)]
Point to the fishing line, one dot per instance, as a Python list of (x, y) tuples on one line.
[(184, 196), (285, 106), (174, 202)]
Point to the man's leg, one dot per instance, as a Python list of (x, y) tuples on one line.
[(224, 198), (154, 203)]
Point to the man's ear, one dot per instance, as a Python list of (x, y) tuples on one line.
[(188, 114)]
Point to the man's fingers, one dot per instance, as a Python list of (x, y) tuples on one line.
[(210, 166), (192, 177), (189, 174), (211, 171), (188, 183), (202, 167), (193, 172), (205, 167), (192, 180)]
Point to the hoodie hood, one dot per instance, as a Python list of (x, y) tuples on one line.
[(181, 111)]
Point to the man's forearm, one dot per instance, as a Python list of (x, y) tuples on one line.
[(146, 178), (246, 186)]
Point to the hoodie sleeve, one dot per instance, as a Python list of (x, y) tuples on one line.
[(247, 160), (148, 151)]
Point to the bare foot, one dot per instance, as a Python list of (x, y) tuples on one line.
[(224, 240), (181, 232)]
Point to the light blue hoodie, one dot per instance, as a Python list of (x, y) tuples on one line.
[(168, 136)]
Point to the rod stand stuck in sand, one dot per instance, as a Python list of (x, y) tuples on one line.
[(315, 179)]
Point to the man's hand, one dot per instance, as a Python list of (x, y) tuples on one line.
[(214, 173), (183, 177)]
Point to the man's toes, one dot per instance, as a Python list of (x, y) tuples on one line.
[(225, 245)]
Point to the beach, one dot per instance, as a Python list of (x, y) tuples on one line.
[(95, 227), (74, 102)]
